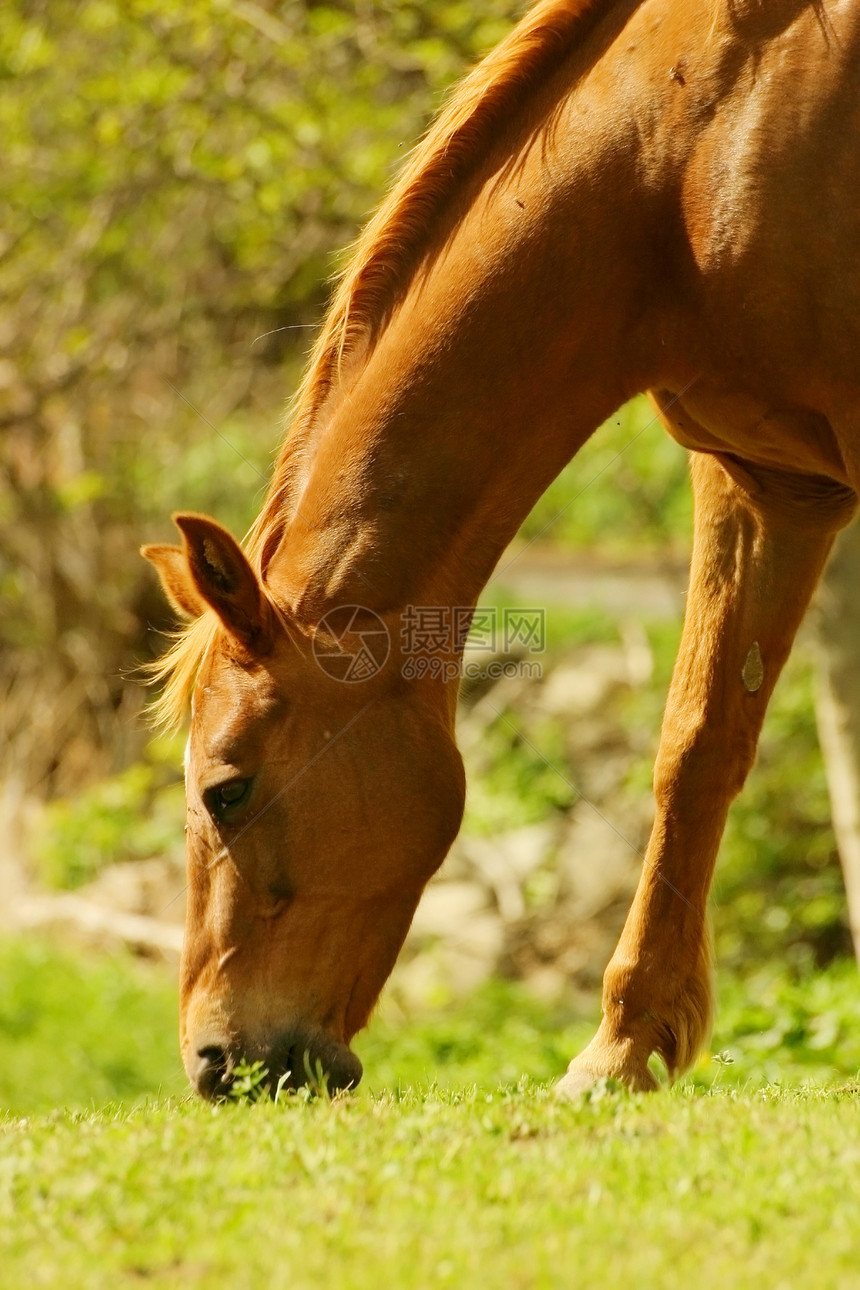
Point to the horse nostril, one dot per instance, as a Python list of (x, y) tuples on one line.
[(213, 1075)]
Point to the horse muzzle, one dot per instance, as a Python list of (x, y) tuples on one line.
[(293, 1061)]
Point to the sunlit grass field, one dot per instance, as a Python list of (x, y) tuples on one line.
[(454, 1164), (505, 1188)]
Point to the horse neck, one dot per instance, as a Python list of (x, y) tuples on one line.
[(522, 327)]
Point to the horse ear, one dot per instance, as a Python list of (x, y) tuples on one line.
[(175, 578), (211, 570)]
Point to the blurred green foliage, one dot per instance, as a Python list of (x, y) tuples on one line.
[(78, 1032), (179, 182), (779, 890), (511, 777), (627, 490), (132, 815)]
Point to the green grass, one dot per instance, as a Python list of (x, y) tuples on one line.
[(503, 1189), (452, 1165)]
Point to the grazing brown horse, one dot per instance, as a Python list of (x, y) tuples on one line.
[(626, 195)]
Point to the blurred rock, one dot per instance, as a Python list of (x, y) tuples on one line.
[(153, 888), (585, 682), (598, 866)]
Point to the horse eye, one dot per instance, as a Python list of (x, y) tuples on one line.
[(223, 800)]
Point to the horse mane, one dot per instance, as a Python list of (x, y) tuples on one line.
[(464, 130), (379, 271)]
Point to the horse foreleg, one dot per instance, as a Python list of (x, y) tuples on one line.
[(759, 546)]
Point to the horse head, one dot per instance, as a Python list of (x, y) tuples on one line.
[(323, 790)]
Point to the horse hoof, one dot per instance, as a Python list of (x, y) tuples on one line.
[(580, 1080), (576, 1083)]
